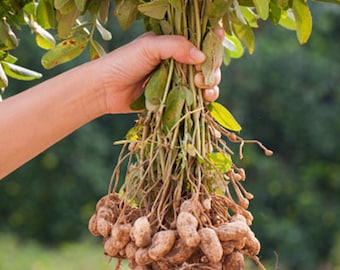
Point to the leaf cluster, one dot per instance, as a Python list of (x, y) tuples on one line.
[(66, 27)]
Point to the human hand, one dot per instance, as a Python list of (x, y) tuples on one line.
[(124, 71)]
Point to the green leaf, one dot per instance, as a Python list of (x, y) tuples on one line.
[(213, 49), (246, 3), (223, 116), (220, 161), (81, 4), (126, 12), (155, 87), (46, 17), (105, 34), (58, 4), (8, 39), (177, 4), (234, 46), (216, 10), (139, 103), (104, 10), (282, 4), (64, 52), (303, 19), (173, 108), (250, 16), (155, 9), (262, 8), (3, 78), (226, 57), (226, 21), (189, 96), (7, 57), (20, 73), (68, 7), (96, 50), (274, 13)]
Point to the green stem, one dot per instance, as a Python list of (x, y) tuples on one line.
[(197, 18)]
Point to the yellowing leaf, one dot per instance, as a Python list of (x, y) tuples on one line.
[(66, 22), (222, 162), (287, 20), (246, 34), (96, 50), (133, 134), (223, 116), (64, 52), (303, 19), (43, 38)]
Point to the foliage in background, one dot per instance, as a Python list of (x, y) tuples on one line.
[(296, 191), (289, 97)]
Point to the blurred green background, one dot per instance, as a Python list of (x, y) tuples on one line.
[(285, 95)]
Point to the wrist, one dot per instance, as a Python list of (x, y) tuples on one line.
[(94, 96)]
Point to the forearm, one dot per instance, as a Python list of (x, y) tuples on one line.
[(37, 118)]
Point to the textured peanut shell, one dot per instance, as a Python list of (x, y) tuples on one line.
[(103, 227), (93, 225), (234, 261), (141, 232), (109, 248), (130, 250), (187, 229), (232, 231), (120, 234), (105, 213), (142, 256), (162, 243), (179, 253), (252, 245), (210, 245)]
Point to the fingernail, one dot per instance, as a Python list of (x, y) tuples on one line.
[(196, 55)]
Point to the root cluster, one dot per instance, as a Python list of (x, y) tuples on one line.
[(182, 205), (198, 238)]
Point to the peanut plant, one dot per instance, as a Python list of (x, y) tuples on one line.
[(182, 204)]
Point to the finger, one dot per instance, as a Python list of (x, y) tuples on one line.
[(199, 79), (211, 94), (219, 31), (158, 48)]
